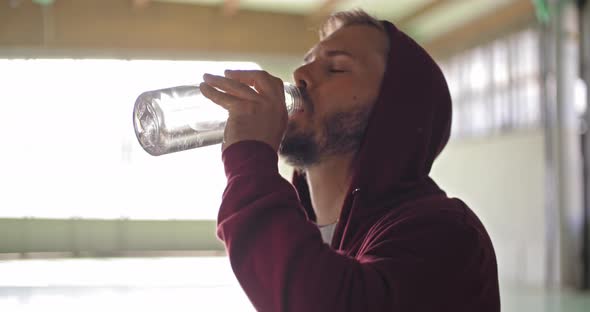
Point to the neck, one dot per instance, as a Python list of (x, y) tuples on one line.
[(328, 184)]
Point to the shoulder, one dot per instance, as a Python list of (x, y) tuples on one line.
[(435, 242), (433, 212), (434, 228)]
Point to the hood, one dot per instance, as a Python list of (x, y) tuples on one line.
[(408, 128)]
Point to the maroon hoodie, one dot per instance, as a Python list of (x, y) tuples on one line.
[(401, 244)]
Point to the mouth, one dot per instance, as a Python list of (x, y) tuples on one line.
[(297, 114), (306, 101)]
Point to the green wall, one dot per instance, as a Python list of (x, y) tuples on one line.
[(502, 179)]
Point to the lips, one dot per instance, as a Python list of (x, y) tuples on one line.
[(307, 104)]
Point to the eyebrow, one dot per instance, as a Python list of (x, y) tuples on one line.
[(330, 53)]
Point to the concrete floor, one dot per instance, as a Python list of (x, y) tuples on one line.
[(526, 299), (190, 284)]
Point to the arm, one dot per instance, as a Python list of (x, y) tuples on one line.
[(282, 263)]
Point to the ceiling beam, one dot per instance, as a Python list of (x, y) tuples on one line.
[(421, 11), (518, 13), (117, 29)]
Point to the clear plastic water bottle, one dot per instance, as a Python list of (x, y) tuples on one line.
[(180, 118)]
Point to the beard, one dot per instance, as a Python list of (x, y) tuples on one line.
[(341, 133)]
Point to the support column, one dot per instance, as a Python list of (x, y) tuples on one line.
[(585, 66), (564, 202)]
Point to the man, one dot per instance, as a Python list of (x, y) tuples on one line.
[(365, 228)]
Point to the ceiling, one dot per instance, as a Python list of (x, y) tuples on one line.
[(423, 19), (184, 28)]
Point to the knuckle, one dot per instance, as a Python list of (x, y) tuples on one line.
[(209, 93)]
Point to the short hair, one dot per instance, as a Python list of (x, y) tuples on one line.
[(347, 18)]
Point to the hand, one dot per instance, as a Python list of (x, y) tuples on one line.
[(254, 114)]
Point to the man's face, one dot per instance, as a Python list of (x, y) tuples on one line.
[(340, 81)]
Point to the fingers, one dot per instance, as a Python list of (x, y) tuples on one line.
[(262, 81), (234, 93), (222, 99), (230, 86)]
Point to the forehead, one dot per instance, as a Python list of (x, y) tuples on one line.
[(358, 40)]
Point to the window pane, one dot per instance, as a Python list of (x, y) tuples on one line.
[(500, 63), (479, 71), (529, 48), (501, 109)]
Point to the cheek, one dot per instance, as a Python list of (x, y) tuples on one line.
[(347, 101), (342, 99), (366, 96)]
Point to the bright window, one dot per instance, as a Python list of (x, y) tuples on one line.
[(69, 149)]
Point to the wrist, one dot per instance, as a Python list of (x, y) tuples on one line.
[(249, 157)]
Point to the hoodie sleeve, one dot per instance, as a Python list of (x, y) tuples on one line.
[(282, 264)]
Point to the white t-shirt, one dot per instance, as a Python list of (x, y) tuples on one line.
[(327, 232)]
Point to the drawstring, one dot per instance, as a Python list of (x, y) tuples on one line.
[(339, 227)]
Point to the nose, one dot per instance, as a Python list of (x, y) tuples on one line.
[(302, 77)]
